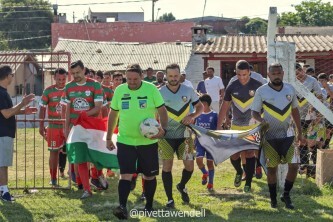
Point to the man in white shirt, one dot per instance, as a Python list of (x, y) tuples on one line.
[(184, 81), (214, 88)]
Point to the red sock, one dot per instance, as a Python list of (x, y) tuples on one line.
[(99, 173), (84, 174), (54, 173), (94, 173), (78, 180), (143, 185), (135, 175)]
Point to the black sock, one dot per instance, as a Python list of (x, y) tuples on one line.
[(62, 162), (249, 170), (167, 183), (288, 185), (186, 176), (124, 189), (272, 191), (237, 165), (258, 162), (150, 188)]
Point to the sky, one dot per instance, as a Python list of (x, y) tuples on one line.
[(180, 8)]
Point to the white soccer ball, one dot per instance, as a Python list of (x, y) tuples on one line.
[(149, 127)]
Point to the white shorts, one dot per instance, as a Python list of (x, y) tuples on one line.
[(6, 151)]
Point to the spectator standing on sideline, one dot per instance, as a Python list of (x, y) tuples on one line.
[(150, 75), (215, 88), (8, 126), (132, 103), (184, 81), (201, 85)]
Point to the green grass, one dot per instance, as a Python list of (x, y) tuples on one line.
[(226, 204)]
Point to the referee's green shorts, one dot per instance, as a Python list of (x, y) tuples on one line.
[(183, 147), (279, 151)]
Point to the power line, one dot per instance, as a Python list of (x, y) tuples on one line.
[(14, 40), (28, 18), (45, 10), (23, 31), (106, 3)]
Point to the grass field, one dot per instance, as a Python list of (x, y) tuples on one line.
[(227, 203)]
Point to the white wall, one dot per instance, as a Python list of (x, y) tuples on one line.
[(194, 69)]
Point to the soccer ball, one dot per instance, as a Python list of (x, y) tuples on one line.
[(149, 127)]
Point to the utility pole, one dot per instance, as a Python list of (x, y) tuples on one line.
[(153, 10), (73, 17)]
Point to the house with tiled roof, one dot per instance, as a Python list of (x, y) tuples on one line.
[(223, 52)]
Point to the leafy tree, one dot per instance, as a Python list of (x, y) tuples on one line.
[(166, 17), (256, 26), (309, 13), (28, 20), (3, 43)]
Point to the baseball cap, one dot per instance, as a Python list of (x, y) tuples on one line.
[(183, 72), (298, 66)]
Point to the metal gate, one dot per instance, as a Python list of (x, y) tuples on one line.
[(33, 73)]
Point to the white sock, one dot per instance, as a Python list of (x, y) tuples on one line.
[(4, 189)]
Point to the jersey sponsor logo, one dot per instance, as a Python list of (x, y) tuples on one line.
[(55, 98), (235, 93), (80, 104), (87, 93), (251, 92), (126, 95), (288, 97), (184, 98), (143, 104), (58, 108), (125, 105)]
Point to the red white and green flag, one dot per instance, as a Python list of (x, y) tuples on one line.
[(86, 142)]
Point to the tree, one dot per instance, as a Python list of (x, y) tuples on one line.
[(166, 17), (3, 43), (309, 13), (26, 24), (256, 26)]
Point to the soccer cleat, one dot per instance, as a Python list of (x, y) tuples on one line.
[(274, 203), (204, 179), (143, 196), (7, 197), (247, 189), (120, 212), (170, 204), (258, 172), (96, 184), (103, 182), (286, 199), (86, 194), (238, 180), (184, 194), (210, 187)]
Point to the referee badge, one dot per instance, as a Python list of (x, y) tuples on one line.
[(251, 92), (87, 93), (288, 97), (184, 98)]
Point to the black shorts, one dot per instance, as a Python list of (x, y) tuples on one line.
[(138, 159)]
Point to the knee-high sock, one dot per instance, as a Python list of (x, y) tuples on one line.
[(167, 183), (84, 175), (249, 170), (150, 186), (124, 189), (186, 176)]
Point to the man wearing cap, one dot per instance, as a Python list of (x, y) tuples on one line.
[(183, 79), (150, 75), (215, 88)]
